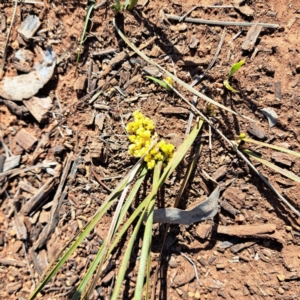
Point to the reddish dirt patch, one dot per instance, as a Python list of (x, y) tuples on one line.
[(264, 267)]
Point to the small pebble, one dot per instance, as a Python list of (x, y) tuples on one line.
[(12, 233), (197, 295), (240, 218), (281, 277), (266, 252), (182, 27), (172, 262), (281, 291), (179, 291), (288, 228), (220, 266), (191, 294)]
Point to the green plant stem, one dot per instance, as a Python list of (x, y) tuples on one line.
[(87, 18), (52, 270), (126, 257), (97, 259), (147, 234), (113, 228)]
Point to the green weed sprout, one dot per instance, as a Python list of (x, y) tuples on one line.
[(166, 83), (141, 136), (129, 5), (233, 69)]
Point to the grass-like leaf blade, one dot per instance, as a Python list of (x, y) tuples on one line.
[(229, 87), (235, 67), (160, 82), (288, 151), (282, 171)]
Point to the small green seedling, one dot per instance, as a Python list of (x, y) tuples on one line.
[(129, 5), (163, 83), (83, 35), (233, 69)]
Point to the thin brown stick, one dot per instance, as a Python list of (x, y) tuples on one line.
[(97, 177), (54, 213), (220, 23), (7, 40)]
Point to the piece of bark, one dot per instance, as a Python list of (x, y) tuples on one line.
[(152, 71), (235, 197), (12, 262), (193, 63), (57, 150), (104, 52), (101, 106), (204, 230), (2, 22), (255, 130), (56, 205), (29, 27), (38, 107), (246, 230), (283, 158), (278, 91), (39, 196), (219, 173), (35, 261), (193, 42), (27, 187), (155, 51), (18, 110), (107, 278), (43, 259), (19, 227), (40, 261), (99, 120), (2, 44), (13, 173), (244, 9), (184, 275), (131, 81), (90, 119), (214, 284), (285, 182), (174, 110), (2, 162), (25, 139), (239, 247), (11, 162), (228, 207), (118, 58), (13, 287), (44, 217), (251, 37), (14, 247), (80, 83)]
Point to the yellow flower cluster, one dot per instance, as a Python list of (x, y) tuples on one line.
[(142, 134)]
